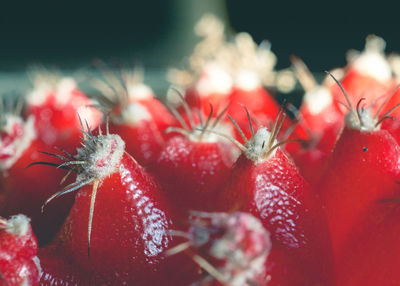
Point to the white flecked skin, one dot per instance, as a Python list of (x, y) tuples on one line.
[(62, 91), (257, 148), (227, 232), (367, 124), (21, 143), (18, 225), (242, 267), (102, 155)]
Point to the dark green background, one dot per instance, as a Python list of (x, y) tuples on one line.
[(157, 34)]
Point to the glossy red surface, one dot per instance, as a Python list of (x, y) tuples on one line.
[(370, 254), (193, 173), (17, 255), (363, 168), (24, 190), (58, 124), (143, 141), (274, 191), (359, 86), (129, 231)]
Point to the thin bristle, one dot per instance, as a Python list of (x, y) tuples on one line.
[(358, 111), (230, 138), (342, 89), (186, 107), (107, 93), (177, 130), (246, 141), (66, 153), (298, 119), (46, 164), (54, 155), (280, 125), (91, 212), (386, 115), (80, 121), (178, 233), (107, 125), (282, 143), (86, 135), (100, 131), (249, 119), (65, 177), (177, 116), (382, 119), (386, 101), (293, 109), (71, 163), (219, 116), (210, 269), (343, 104), (208, 118), (68, 189), (177, 249), (89, 129), (200, 115), (302, 72), (276, 127)]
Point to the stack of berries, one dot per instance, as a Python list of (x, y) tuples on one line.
[(219, 185)]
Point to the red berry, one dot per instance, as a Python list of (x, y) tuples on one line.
[(193, 168), (362, 168), (232, 249), (117, 227), (24, 190), (137, 128), (369, 75), (369, 255), (57, 109), (19, 264), (266, 183)]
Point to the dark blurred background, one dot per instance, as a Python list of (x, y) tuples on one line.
[(159, 34)]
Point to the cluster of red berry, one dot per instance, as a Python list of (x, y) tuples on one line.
[(218, 186)]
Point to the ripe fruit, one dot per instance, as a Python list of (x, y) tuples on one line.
[(370, 253), (19, 264), (136, 127), (321, 121), (318, 110), (117, 228), (213, 86), (194, 165), (369, 75), (24, 190), (135, 114), (365, 159), (266, 183), (231, 72), (56, 105), (122, 96), (231, 249)]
